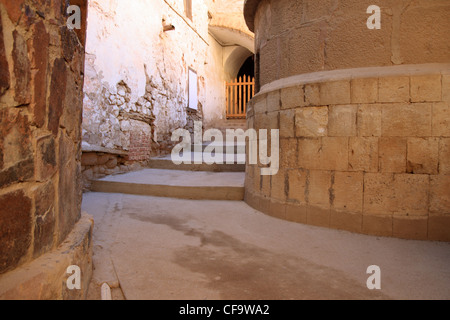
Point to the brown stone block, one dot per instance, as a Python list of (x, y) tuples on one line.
[(39, 44), (15, 238), (288, 153), (266, 185), (348, 191), (440, 194), (363, 154), (346, 221), (369, 120), (19, 172), (407, 120), (364, 90), (377, 225), (4, 66), (277, 209), (415, 228), (399, 194), (336, 92), (446, 87), (342, 121), (444, 156), (318, 217), (327, 153), (57, 94), (298, 180), (296, 213), (319, 188), (15, 137), (22, 72), (44, 198), (273, 101), (423, 156), (306, 41), (257, 179), (292, 97), (45, 158), (379, 193), (14, 9), (439, 228), (279, 186), (394, 89), (287, 124), (425, 88), (311, 122), (260, 103), (252, 200), (441, 119), (312, 95), (392, 153)]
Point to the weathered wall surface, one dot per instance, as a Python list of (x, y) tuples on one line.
[(41, 85), (305, 36), (362, 149), (133, 66)]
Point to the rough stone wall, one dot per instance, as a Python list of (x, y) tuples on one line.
[(295, 37), (134, 67), (41, 81), (364, 144)]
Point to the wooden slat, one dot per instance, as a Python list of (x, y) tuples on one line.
[(238, 93)]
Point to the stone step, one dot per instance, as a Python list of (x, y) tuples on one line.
[(176, 184), (167, 163)]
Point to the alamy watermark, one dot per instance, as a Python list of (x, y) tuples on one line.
[(74, 280), (222, 149), (74, 20)]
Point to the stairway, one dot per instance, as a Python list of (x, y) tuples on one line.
[(201, 181)]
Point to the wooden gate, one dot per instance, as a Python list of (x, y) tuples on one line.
[(239, 93)]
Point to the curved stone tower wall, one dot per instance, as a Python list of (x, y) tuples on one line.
[(364, 115)]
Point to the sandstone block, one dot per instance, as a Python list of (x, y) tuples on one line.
[(369, 120), (394, 89), (312, 95), (327, 153), (336, 92), (292, 97), (440, 194), (441, 119), (4, 76), (415, 228), (317, 216), (425, 88), (311, 122), (288, 153), (260, 104), (45, 158), (287, 119), (273, 101), (277, 209), (346, 221), (319, 189), (348, 191), (407, 120), (364, 90), (363, 154), (297, 185), (446, 87), (296, 213), (279, 187), (377, 225), (342, 121), (423, 156), (57, 94), (444, 156), (392, 154), (438, 228)]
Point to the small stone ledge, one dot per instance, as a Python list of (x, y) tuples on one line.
[(45, 278), (89, 148), (355, 73)]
